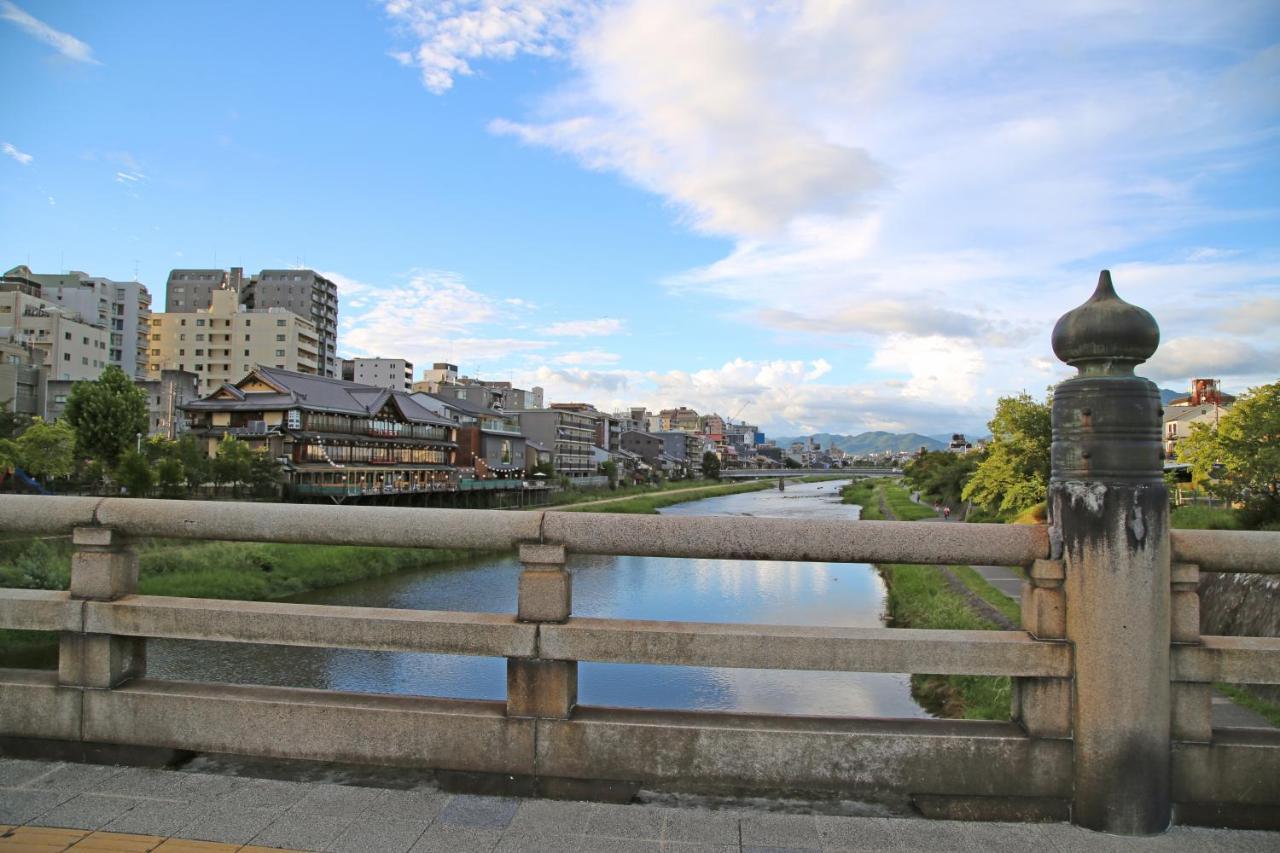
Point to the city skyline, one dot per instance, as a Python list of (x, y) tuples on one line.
[(829, 219)]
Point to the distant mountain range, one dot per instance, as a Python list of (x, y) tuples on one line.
[(869, 442), (1166, 395)]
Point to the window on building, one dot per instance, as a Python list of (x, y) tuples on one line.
[(86, 341), (280, 337), (66, 356), (199, 367), (182, 352), (199, 352), (279, 353), (84, 359), (155, 337), (199, 322), (66, 335), (182, 322), (281, 322)]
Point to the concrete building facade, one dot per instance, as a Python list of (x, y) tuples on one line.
[(224, 342), (57, 339), (301, 291), (393, 373), (166, 395), (569, 435), (21, 379)]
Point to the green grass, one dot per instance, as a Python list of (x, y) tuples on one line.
[(920, 598), (1259, 706), (903, 508), (575, 496), (650, 504), (977, 584), (1205, 518), (864, 494)]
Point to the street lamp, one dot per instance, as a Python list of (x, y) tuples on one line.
[(139, 436)]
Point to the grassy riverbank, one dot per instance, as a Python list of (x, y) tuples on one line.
[(919, 597), (246, 571), (649, 504)]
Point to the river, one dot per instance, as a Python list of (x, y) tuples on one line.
[(786, 593)]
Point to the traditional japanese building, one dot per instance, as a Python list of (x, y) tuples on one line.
[(337, 439)]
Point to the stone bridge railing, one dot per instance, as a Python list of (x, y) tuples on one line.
[(1111, 706)]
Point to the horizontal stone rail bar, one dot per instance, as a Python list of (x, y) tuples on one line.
[(696, 751), (804, 648), (795, 539), (1254, 551), (281, 624), (38, 610), (1235, 660), (594, 533)]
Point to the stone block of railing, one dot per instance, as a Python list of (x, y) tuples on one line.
[(104, 567), (1043, 705), (537, 687)]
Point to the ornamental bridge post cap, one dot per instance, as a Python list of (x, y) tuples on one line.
[(1105, 335)]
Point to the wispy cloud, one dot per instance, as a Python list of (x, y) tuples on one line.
[(130, 177), (451, 36), (64, 43), (22, 157), (591, 357), (584, 328)]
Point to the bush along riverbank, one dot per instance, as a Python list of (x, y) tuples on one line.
[(246, 571)]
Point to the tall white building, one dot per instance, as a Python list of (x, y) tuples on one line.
[(56, 338), (393, 373)]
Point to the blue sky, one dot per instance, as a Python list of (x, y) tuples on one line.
[(823, 215)]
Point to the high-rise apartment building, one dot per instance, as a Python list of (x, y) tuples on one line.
[(122, 308), (304, 292), (223, 342), (56, 338)]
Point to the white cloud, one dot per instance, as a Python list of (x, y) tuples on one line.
[(593, 357), (584, 328), (129, 177), (67, 45), (1181, 359), (451, 36), (22, 157)]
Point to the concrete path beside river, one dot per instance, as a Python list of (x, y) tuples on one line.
[(52, 806)]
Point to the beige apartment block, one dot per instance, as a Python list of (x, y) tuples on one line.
[(55, 338), (225, 341)]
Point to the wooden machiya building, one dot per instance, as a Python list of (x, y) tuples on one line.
[(339, 441)]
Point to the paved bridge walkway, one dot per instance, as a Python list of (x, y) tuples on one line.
[(51, 806)]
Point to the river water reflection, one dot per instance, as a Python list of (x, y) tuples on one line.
[(626, 587)]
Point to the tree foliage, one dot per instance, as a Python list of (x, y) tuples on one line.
[(941, 474), (47, 450), (710, 466), (107, 415), (1246, 445), (233, 464), (1013, 473), (134, 473)]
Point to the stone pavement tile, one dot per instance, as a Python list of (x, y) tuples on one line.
[(1234, 840), (336, 800), (140, 783), (264, 794), (74, 778), (186, 845), (205, 787), (611, 821), (696, 847), (702, 826), (456, 839), (855, 833), (551, 817), (596, 844), (931, 835), (377, 833), (537, 842), (780, 850), (780, 830), (85, 811), (230, 826), (15, 772), (303, 831), (1073, 839), (477, 812), (19, 805), (253, 848), (158, 817), (117, 842), (409, 805)]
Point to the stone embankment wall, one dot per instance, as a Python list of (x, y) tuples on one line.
[(1243, 606)]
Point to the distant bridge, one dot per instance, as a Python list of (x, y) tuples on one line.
[(756, 473)]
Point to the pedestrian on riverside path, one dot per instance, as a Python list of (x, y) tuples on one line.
[(946, 512)]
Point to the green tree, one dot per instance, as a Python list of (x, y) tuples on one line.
[(170, 477), (196, 464), (1246, 445), (47, 450), (710, 466), (941, 474), (107, 414), (610, 470), (233, 463), (134, 473), (264, 475), (1013, 473)]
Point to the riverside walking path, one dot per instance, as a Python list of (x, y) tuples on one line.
[(54, 806)]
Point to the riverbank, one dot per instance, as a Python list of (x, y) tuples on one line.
[(938, 597)]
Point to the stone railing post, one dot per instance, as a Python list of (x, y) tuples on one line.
[(104, 567), (1043, 705), (1191, 702), (1109, 524), (537, 687)]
